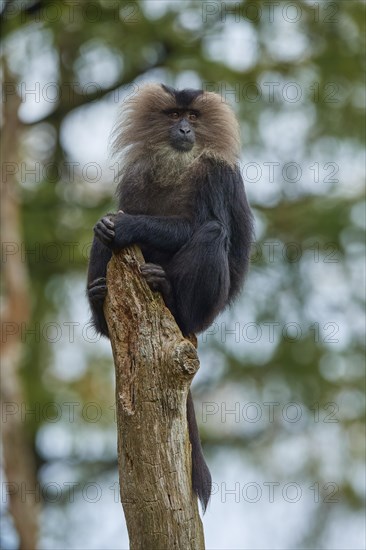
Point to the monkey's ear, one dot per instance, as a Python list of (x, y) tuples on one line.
[(168, 89)]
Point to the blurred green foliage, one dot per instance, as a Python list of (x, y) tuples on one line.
[(320, 48)]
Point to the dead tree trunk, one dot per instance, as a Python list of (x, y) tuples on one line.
[(154, 367)]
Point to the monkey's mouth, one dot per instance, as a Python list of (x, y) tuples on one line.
[(183, 145)]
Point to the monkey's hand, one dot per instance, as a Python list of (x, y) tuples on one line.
[(116, 231), (158, 281), (97, 290), (104, 230)]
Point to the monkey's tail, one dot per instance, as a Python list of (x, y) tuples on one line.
[(201, 477)]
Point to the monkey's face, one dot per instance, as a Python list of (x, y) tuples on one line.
[(182, 135), (176, 125)]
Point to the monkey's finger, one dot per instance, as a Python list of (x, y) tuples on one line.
[(98, 292), (155, 283), (108, 222), (153, 269), (154, 286), (105, 239), (98, 282), (102, 227), (102, 231), (149, 264), (154, 276)]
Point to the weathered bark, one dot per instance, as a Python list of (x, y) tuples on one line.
[(154, 367)]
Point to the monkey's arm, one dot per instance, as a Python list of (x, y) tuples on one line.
[(241, 232), (168, 233)]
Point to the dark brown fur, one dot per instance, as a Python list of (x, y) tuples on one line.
[(141, 134)]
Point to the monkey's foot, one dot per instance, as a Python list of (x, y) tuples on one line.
[(104, 230), (97, 290), (158, 281), (156, 278)]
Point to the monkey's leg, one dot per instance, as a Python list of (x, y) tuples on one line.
[(200, 277), (97, 286)]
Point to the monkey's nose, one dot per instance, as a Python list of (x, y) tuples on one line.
[(185, 131)]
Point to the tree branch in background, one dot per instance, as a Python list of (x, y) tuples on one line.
[(154, 367), (17, 453)]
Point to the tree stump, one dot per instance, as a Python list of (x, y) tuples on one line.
[(154, 367)]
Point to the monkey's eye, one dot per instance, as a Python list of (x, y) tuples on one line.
[(174, 115), (192, 116)]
